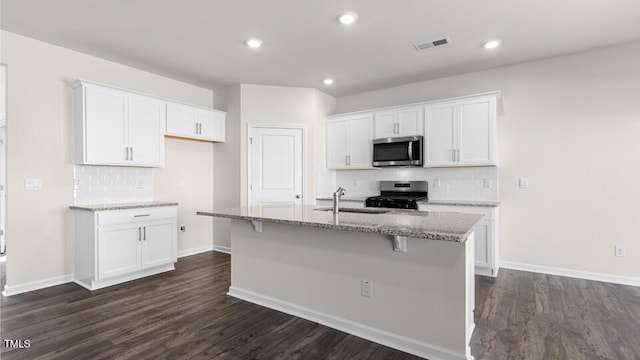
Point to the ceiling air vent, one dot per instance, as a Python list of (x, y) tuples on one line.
[(432, 43)]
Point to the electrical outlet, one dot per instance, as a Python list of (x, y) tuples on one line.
[(139, 184), (366, 288), (523, 183), (183, 228), (356, 183), (621, 250), (32, 184), (487, 183), (436, 183), (180, 184)]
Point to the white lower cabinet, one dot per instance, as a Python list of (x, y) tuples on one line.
[(486, 235), (121, 245)]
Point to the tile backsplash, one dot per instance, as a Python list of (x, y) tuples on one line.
[(465, 183), (111, 184)]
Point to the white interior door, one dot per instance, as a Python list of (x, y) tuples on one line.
[(275, 165)]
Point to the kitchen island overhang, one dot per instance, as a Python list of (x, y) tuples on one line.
[(311, 264)]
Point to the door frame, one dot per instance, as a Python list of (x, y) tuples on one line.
[(252, 126)]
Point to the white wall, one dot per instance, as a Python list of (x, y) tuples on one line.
[(39, 223), (287, 105), (571, 125), (227, 163), (258, 104)]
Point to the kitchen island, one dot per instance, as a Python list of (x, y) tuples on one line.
[(401, 278)]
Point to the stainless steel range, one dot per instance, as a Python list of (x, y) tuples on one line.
[(399, 195)]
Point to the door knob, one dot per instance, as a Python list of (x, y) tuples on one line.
[(298, 196)]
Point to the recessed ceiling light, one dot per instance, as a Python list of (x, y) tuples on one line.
[(254, 43), (492, 44), (328, 81), (347, 18)]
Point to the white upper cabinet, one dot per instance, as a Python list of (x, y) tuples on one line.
[(115, 127), (398, 122), (195, 122), (461, 133), (146, 130), (349, 141)]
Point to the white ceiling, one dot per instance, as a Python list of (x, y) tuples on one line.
[(201, 41)]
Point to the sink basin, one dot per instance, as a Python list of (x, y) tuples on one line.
[(356, 210)]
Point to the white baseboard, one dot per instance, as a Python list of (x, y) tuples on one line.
[(222, 249), (195, 251), (615, 279), (395, 341), (36, 285)]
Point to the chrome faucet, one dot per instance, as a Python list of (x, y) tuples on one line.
[(336, 199)]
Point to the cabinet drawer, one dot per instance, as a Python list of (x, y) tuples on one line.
[(132, 215)]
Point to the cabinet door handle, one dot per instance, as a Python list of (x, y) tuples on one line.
[(141, 215), (126, 153), (131, 153), (348, 159), (144, 233), (139, 234)]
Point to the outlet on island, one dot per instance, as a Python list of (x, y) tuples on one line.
[(366, 288), (621, 250), (183, 228)]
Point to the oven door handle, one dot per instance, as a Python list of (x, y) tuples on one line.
[(410, 150)]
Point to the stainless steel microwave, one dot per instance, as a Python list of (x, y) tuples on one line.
[(398, 151)]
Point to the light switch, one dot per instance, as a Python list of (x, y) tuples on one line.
[(32, 184), (523, 183)]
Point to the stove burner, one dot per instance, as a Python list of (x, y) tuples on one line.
[(399, 195)]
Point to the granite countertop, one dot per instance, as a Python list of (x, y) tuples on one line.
[(427, 202), (445, 226), (122, 206)]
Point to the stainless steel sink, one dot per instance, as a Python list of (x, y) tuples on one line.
[(356, 210)]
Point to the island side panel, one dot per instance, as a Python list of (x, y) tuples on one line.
[(419, 295)]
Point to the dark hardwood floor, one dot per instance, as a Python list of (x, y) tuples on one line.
[(185, 314)]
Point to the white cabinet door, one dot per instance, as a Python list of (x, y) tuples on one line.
[(118, 250), (158, 243), (410, 121), (195, 122), (146, 135), (461, 133), (407, 121), (384, 124), (182, 120), (360, 135), (105, 123), (476, 121), (440, 135), (211, 125), (483, 253), (117, 127), (337, 143)]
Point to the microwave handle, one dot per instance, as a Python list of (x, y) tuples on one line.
[(410, 150)]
